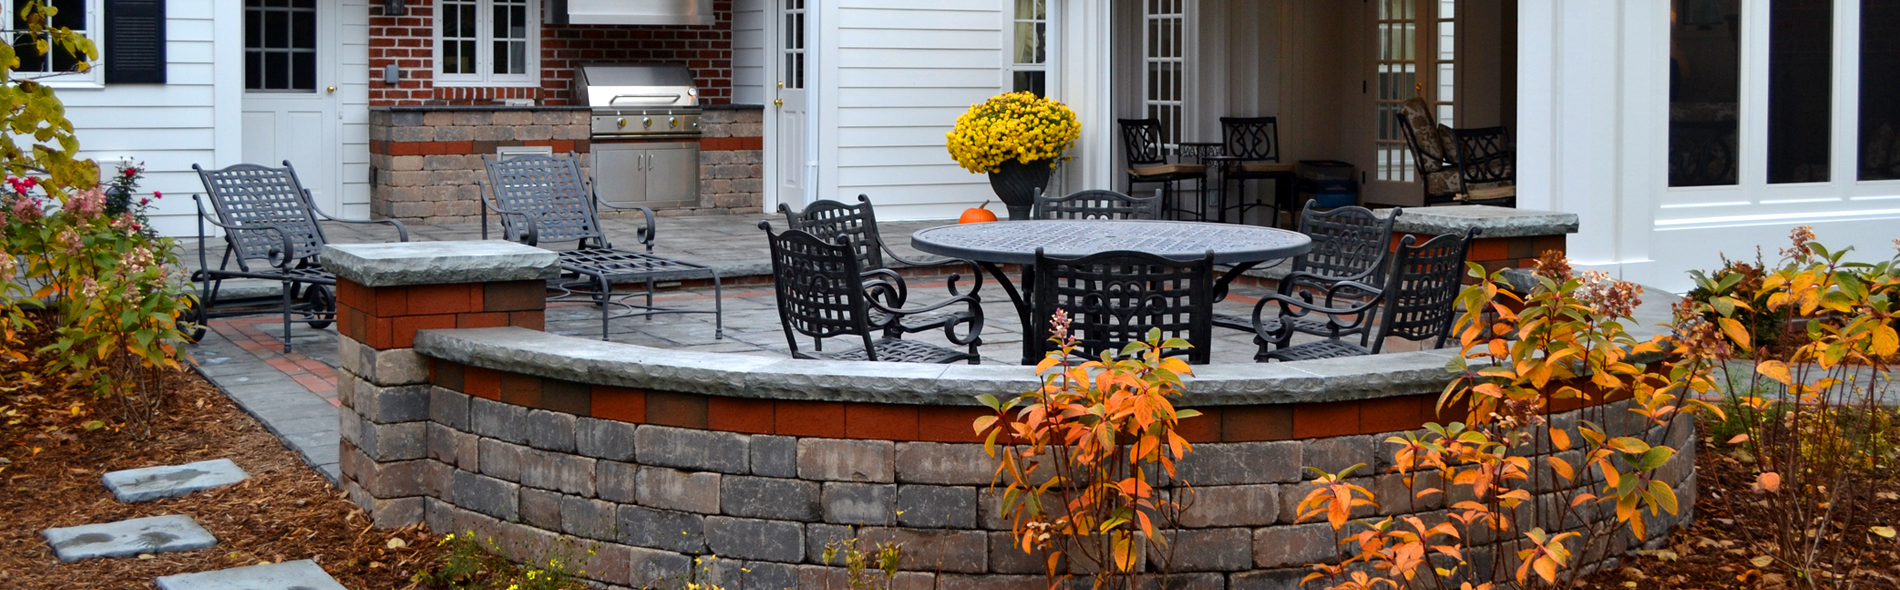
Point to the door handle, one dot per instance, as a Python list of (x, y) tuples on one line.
[(331, 89), (778, 102)]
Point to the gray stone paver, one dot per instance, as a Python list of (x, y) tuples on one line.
[(302, 574), (302, 420), (126, 538), (152, 483)]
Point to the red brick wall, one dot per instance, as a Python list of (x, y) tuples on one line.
[(408, 42)]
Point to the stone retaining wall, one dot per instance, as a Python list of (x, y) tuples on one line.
[(650, 458), (426, 162)]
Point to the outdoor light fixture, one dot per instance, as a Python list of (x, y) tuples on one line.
[(394, 8)]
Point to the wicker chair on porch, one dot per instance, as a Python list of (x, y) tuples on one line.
[(1474, 165), (546, 199), (1414, 303), (823, 292), (270, 233)]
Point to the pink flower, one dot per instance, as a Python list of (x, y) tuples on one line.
[(145, 201), (87, 203), (158, 195)]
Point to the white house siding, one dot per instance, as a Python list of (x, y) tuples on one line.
[(352, 87), (900, 72), (749, 20), (190, 119), (1593, 80)]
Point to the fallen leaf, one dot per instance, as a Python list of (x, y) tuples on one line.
[(147, 556), (1761, 561), (1768, 481), (1884, 531), (375, 564), (395, 543), (1887, 496), (1738, 439)]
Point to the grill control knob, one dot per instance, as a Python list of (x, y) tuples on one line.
[(620, 123), (647, 121), (673, 122)]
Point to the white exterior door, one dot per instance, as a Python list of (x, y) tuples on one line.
[(791, 107), (290, 99)]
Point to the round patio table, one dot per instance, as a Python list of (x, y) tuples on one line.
[(991, 245)]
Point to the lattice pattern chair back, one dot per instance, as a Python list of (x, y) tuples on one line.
[(830, 220), (1347, 242), (1141, 138), (1114, 298), (249, 195), (552, 190), (1098, 204), (820, 292), (1425, 280), (1251, 138)]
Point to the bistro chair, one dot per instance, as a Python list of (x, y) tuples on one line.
[(270, 233), (1414, 303), (823, 292), (546, 199), (1146, 151), (856, 225), (1097, 204), (1115, 298), (1252, 146), (1349, 244), (1475, 165)]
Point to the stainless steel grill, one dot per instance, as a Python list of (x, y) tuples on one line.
[(640, 101)]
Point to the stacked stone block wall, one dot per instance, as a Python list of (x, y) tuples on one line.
[(426, 164)]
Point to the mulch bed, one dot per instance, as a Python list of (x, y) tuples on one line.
[(50, 468), (1732, 527)]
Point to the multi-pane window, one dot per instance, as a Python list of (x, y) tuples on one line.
[(1395, 79), (280, 45), (1030, 54), (1879, 112), (1705, 72), (1164, 64), (486, 41), (72, 14), (792, 44), (1800, 90), (1446, 64)]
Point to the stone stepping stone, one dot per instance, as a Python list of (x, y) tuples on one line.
[(152, 483), (302, 574), (125, 538)]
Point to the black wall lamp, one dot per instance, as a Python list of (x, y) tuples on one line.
[(394, 8)]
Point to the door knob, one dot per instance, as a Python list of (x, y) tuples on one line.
[(331, 89), (778, 102)]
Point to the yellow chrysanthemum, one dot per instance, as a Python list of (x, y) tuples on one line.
[(1019, 126)]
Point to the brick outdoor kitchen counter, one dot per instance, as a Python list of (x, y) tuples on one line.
[(650, 457)]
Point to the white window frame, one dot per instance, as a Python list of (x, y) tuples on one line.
[(1050, 40), (93, 77), (485, 50), (1753, 200), (1186, 96)]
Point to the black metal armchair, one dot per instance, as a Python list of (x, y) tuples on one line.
[(1146, 151), (270, 233), (823, 292), (1097, 204), (1115, 298), (856, 226), (1415, 303), (546, 199), (1252, 146), (1349, 244), (1473, 165)]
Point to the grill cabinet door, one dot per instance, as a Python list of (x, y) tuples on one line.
[(620, 175), (673, 174)]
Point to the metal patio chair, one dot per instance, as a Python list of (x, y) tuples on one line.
[(1349, 244), (1474, 165), (270, 233), (1114, 298), (830, 221), (1146, 152), (1097, 204), (822, 293), (546, 199), (1252, 152), (1415, 303)]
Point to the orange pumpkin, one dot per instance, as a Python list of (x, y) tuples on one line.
[(977, 214)]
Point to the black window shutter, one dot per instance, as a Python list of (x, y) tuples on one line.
[(135, 41)]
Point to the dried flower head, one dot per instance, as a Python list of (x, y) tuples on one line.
[(1696, 337), (1799, 250), (8, 266), (1554, 265), (1609, 297), (87, 203)]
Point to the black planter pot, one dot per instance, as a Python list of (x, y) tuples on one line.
[(1017, 184)]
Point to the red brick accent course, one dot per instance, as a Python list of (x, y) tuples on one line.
[(388, 317)]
